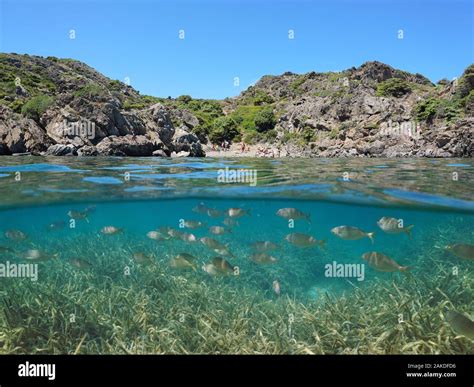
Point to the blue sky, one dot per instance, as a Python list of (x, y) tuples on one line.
[(244, 39)]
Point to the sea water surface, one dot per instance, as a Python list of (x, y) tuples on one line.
[(127, 262)]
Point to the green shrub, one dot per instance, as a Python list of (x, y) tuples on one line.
[(115, 85), (465, 83), (261, 98), (469, 102), (334, 133), (224, 128), (245, 115), (301, 138), (265, 120), (36, 106), (270, 135), (149, 100), (90, 91), (449, 110), (426, 110), (184, 99), (307, 134), (296, 84), (208, 108), (393, 87), (251, 138), (132, 104), (17, 104), (202, 131), (433, 108)]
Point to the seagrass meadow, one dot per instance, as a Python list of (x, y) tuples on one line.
[(118, 273)]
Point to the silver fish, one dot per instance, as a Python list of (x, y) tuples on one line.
[(381, 262), (303, 240), (213, 213), (38, 255), (393, 226), (352, 233), (263, 246), (110, 230), (15, 235), (237, 212), (216, 246), (293, 213), (200, 209), (192, 224), (461, 250), (263, 258), (229, 222), (218, 230)]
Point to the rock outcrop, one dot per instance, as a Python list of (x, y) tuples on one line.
[(63, 107), (373, 111), (85, 114)]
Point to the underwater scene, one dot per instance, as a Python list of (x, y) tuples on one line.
[(236, 256)]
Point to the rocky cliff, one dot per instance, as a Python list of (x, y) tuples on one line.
[(373, 110), (64, 107)]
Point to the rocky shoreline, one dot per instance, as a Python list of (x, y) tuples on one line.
[(51, 106)]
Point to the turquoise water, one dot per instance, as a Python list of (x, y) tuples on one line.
[(137, 196)]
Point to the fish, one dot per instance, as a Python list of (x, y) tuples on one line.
[(173, 233), (165, 230), (218, 266), (276, 287), (16, 235), (57, 225), (222, 265), (110, 230), (216, 246), (218, 230), (237, 212), (200, 209), (187, 256), (183, 261), (38, 255), (142, 258), (293, 213), (78, 215), (193, 224), (213, 213), (461, 250), (392, 226), (460, 323), (4, 249), (90, 209), (303, 240), (263, 246), (352, 233), (381, 262), (157, 236), (263, 258), (187, 237), (229, 222), (80, 263)]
